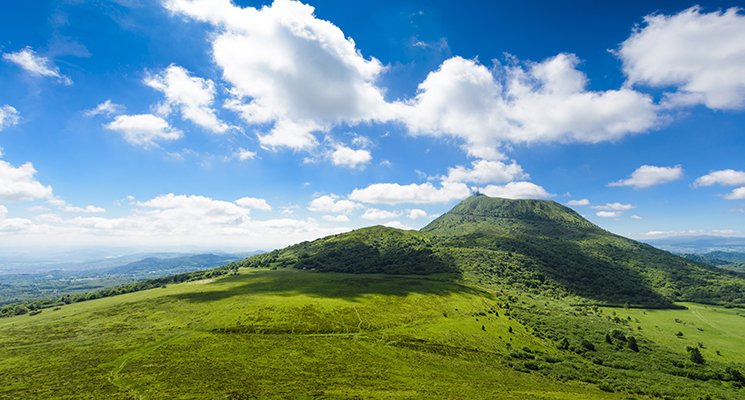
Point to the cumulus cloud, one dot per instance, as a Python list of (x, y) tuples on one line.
[(172, 210), (19, 183), (254, 203), (650, 175), (375, 213), (397, 225), (698, 54), (289, 68), (516, 190), (108, 108), (348, 157), (191, 96), (425, 193), (538, 102), (724, 177), (416, 213), (36, 65), (168, 220), (9, 116), (737, 194), (609, 214), (243, 154), (295, 75), (143, 129), (336, 218), (332, 204), (614, 207), (485, 171), (64, 206), (579, 202)]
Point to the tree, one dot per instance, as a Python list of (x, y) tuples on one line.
[(563, 344), (587, 345), (632, 344), (695, 355)]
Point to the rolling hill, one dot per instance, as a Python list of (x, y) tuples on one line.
[(503, 299), (536, 244)]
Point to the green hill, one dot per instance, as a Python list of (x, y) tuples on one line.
[(376, 249), (535, 244), (497, 299)]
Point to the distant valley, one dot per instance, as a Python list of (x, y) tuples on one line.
[(78, 277)]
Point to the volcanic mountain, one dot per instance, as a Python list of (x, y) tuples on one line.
[(536, 244)]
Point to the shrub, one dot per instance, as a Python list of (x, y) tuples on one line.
[(632, 344), (586, 344), (695, 355)]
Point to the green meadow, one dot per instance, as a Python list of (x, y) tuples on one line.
[(718, 332), (299, 334)]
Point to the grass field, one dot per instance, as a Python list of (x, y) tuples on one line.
[(717, 328), (297, 334), (275, 334)]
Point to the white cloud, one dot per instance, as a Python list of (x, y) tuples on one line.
[(332, 204), (289, 68), (425, 193), (737, 194), (192, 96), (416, 213), (397, 225), (245, 155), (691, 232), (614, 207), (143, 129), (9, 116), (541, 102), (580, 202), (699, 54), (636, 217), (725, 177), (516, 190), (254, 203), (336, 218), (19, 183), (3, 212), (650, 175), (348, 157), (172, 210), (106, 108), (609, 214), (167, 221), (485, 171), (375, 213), (36, 65), (64, 206)]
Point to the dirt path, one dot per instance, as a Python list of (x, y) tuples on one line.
[(122, 361)]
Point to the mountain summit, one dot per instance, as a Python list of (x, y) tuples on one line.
[(538, 245)]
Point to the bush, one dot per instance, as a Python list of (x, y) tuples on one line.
[(695, 355), (632, 344), (586, 344)]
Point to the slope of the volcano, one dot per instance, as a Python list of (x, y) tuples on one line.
[(542, 244)]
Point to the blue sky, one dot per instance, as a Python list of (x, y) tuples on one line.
[(184, 124)]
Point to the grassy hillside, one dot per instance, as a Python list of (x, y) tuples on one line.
[(301, 334), (495, 299), (376, 249), (538, 243), (728, 260)]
